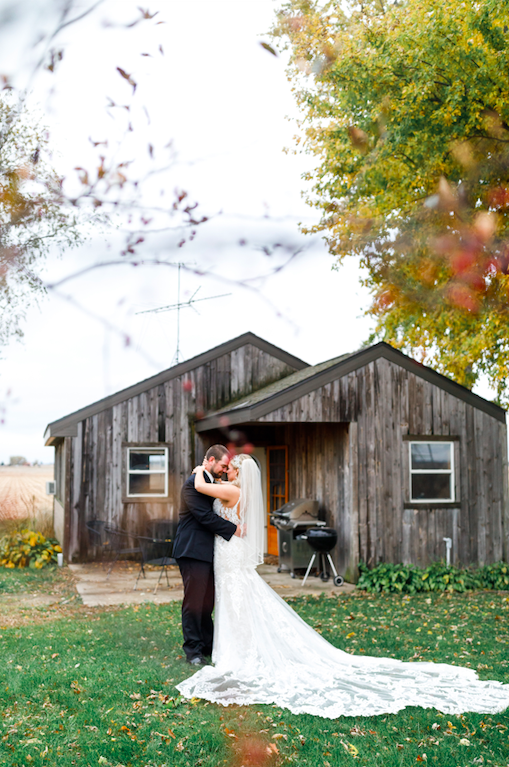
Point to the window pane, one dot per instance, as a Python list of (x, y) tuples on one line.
[(146, 484), (156, 461), (277, 478), (277, 498), (431, 486), (144, 460), (431, 455)]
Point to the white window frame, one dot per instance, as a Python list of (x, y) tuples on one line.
[(129, 471), (450, 472)]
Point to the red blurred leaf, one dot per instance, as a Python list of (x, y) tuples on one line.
[(463, 297)]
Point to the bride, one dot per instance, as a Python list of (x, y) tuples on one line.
[(265, 653)]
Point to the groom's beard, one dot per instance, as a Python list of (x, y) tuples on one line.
[(217, 475)]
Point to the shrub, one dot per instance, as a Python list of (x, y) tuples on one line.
[(495, 576), (27, 548), (408, 579)]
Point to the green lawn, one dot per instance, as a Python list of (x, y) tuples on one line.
[(90, 687), (26, 580)]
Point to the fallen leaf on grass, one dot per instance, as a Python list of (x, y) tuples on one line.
[(464, 742), (272, 749), (350, 748)]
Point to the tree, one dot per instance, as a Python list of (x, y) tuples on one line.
[(406, 107), (34, 215), (42, 210)]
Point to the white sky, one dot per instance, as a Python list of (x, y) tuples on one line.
[(223, 100)]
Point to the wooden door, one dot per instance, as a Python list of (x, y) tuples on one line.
[(277, 488)]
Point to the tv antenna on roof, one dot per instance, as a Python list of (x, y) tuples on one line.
[(178, 306)]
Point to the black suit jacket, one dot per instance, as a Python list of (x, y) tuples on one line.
[(198, 524)]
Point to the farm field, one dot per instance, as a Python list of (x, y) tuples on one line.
[(23, 492)]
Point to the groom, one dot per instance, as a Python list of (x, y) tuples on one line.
[(194, 551)]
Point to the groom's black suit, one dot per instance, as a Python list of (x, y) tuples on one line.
[(193, 549)]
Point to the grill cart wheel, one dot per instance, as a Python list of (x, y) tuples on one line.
[(324, 575), (339, 580)]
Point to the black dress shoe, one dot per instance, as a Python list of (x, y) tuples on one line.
[(198, 660)]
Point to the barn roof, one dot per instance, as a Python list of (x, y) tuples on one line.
[(66, 426), (306, 380)]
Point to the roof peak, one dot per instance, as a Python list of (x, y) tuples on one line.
[(300, 383), (174, 371)]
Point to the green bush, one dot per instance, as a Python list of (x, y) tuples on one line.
[(27, 548), (495, 576), (408, 579)]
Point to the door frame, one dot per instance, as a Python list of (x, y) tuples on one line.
[(272, 547)]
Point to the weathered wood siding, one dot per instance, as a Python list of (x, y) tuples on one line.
[(384, 402), (163, 414), (318, 468)]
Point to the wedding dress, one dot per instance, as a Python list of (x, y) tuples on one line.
[(265, 653)]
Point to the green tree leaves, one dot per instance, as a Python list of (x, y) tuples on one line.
[(406, 109)]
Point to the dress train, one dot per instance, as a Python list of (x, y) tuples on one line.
[(265, 653)]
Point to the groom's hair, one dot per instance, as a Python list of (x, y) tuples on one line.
[(216, 452)]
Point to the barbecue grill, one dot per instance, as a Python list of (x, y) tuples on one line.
[(323, 540), (292, 521)]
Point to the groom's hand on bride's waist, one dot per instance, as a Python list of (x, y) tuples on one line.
[(240, 531)]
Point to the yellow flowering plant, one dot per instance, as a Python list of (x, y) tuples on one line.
[(27, 548)]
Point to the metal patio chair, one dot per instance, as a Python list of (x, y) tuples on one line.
[(155, 552), (119, 542)]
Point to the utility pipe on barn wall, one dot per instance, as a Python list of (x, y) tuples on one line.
[(448, 547)]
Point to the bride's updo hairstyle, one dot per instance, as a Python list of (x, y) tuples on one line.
[(237, 462), (251, 506)]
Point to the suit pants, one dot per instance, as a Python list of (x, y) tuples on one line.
[(197, 606)]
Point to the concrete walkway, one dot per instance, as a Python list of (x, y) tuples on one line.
[(96, 589)]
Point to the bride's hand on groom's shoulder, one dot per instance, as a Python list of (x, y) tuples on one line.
[(196, 468)]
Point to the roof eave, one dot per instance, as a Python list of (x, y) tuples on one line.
[(352, 363), (53, 436), (67, 426)]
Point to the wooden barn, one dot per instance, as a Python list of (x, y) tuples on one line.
[(398, 456)]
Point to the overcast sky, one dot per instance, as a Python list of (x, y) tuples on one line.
[(223, 101)]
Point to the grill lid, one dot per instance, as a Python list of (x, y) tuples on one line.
[(296, 509), (322, 539)]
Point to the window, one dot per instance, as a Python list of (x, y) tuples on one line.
[(431, 471), (147, 471)]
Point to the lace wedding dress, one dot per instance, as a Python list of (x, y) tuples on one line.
[(265, 653)]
